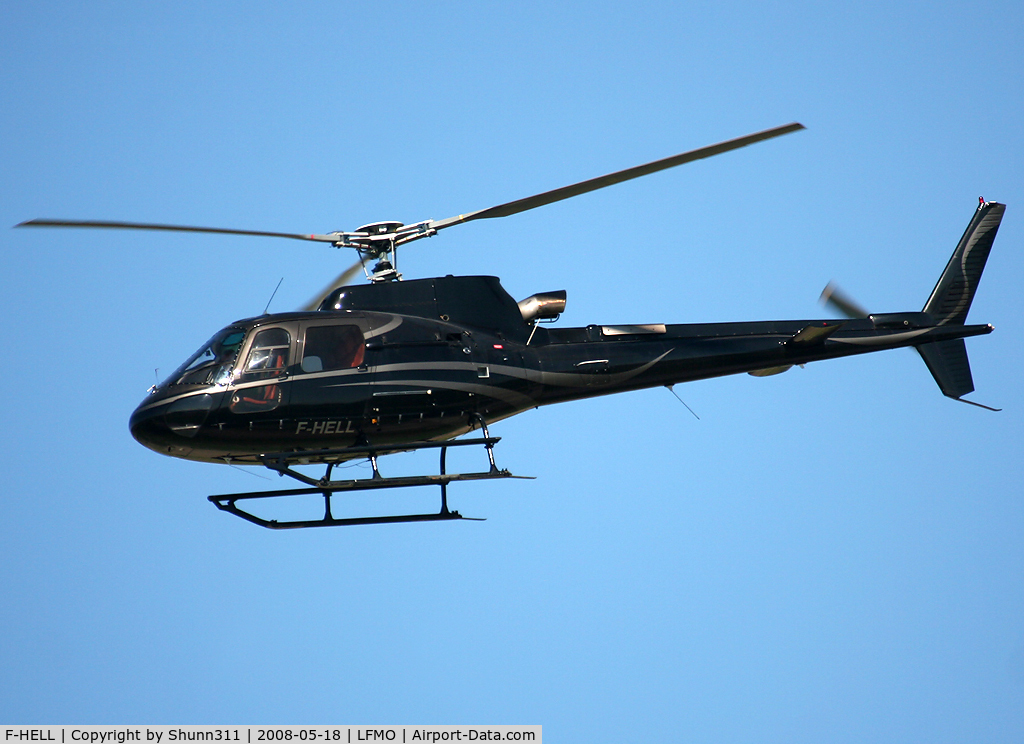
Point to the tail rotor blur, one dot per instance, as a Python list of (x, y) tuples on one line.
[(842, 302)]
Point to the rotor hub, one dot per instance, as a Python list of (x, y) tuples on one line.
[(377, 241)]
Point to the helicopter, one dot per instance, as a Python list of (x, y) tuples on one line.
[(398, 365)]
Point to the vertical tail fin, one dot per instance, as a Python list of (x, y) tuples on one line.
[(951, 300)]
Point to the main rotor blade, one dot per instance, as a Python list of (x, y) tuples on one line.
[(833, 296), (427, 228), (566, 192), (43, 222), (342, 279)]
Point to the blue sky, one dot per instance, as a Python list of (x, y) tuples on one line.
[(832, 554)]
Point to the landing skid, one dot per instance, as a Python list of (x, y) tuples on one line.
[(281, 463)]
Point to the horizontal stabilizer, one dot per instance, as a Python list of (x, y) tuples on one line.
[(816, 333)]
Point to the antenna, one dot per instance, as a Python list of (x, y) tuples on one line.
[(672, 389), (273, 294)]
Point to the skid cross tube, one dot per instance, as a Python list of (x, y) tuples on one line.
[(281, 464)]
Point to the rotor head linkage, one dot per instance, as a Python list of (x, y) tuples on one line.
[(379, 241)]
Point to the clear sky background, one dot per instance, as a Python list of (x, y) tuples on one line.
[(833, 554)]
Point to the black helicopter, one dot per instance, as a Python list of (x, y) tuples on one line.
[(394, 366)]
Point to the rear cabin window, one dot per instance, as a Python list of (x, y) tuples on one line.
[(332, 347)]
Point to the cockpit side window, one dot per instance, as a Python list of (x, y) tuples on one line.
[(268, 356), (267, 360), (331, 347)]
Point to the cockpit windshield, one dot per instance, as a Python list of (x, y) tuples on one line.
[(211, 365)]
